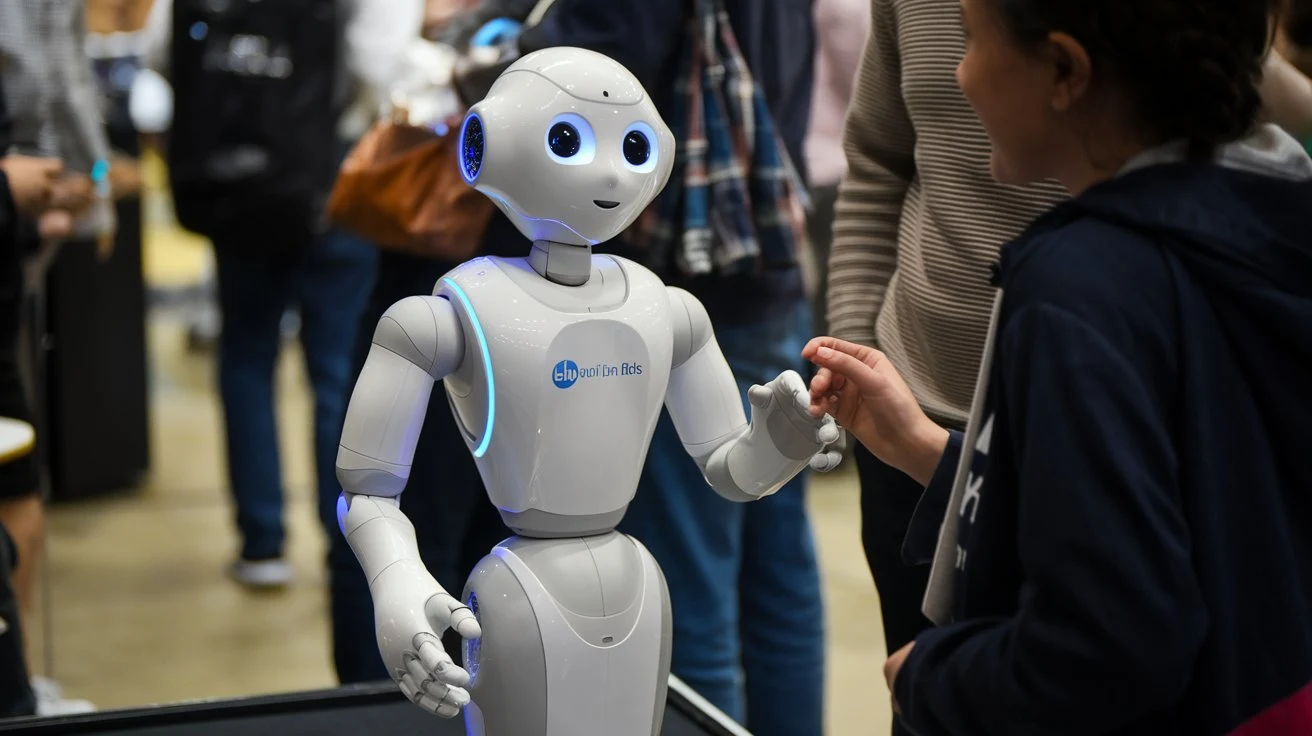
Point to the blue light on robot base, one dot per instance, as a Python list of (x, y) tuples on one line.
[(342, 508), (481, 449)]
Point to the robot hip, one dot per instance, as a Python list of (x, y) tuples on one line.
[(576, 639)]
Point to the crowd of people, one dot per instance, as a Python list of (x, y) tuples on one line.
[(1062, 304)]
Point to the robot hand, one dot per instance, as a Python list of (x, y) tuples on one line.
[(781, 408), (412, 612), (781, 440)]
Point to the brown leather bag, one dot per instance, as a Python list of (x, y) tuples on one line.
[(401, 189)]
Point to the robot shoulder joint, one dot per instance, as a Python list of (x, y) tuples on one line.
[(424, 330), (692, 325)]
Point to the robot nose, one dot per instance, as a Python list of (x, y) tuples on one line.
[(611, 181)]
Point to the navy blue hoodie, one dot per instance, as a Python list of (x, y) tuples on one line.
[(1133, 537)]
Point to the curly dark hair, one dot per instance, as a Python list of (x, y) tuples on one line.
[(1190, 68)]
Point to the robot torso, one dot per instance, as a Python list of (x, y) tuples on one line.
[(560, 388)]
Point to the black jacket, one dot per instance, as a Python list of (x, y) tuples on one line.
[(1134, 554)]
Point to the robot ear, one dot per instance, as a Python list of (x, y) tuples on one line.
[(472, 147)]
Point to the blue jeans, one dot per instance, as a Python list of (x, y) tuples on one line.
[(743, 578), (328, 282)]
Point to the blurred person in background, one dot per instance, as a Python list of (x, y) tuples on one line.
[(54, 110), (327, 273), (27, 187), (919, 219), (842, 27)]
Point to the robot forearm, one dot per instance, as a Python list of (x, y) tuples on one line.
[(741, 461)]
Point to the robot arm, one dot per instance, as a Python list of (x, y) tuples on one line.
[(418, 341), (742, 461)]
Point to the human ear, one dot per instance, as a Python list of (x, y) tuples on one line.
[(1072, 70)]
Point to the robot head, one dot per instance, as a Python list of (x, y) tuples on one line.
[(569, 146)]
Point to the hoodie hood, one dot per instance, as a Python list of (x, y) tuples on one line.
[(1241, 227)]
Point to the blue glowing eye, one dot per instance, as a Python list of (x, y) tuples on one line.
[(563, 140), (570, 140), (640, 148)]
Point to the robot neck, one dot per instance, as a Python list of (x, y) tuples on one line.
[(570, 265)]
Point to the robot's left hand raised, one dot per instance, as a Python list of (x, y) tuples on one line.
[(781, 441), (782, 409), (412, 611)]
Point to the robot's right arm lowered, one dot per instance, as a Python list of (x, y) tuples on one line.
[(742, 461), (418, 341)]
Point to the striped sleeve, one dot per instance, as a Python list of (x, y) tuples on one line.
[(880, 145)]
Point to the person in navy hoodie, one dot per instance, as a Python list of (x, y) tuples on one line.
[(1128, 549)]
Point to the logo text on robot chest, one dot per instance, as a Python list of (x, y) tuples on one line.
[(566, 373)]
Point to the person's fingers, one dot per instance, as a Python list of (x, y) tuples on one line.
[(819, 344), (856, 371)]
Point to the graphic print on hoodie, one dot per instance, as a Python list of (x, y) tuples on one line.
[(1131, 553)]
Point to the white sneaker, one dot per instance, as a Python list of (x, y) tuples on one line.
[(262, 574), (50, 700)]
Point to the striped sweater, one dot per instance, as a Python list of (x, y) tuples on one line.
[(919, 218)]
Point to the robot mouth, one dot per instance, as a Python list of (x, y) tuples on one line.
[(605, 204)]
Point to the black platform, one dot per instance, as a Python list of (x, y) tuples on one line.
[(360, 709)]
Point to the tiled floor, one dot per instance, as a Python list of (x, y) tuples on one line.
[(141, 612)]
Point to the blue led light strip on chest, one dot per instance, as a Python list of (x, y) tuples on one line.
[(487, 367)]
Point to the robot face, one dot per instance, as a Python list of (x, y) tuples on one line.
[(568, 145)]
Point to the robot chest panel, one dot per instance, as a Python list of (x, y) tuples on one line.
[(547, 392)]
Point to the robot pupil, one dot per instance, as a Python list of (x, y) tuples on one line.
[(637, 149), (564, 140)]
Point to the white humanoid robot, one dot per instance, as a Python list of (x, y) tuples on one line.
[(556, 366)]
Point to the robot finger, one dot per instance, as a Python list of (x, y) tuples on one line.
[(760, 396), (445, 612), (829, 433), (826, 461), (436, 661)]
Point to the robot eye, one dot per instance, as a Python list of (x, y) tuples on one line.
[(637, 149), (570, 140), (563, 140), (640, 148)]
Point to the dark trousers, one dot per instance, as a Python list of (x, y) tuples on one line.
[(328, 282), (16, 697), (455, 523), (820, 233), (888, 500)]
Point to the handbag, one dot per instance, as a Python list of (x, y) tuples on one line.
[(401, 188)]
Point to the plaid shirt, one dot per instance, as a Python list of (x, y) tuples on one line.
[(734, 203)]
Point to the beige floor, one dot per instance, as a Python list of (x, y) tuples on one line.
[(140, 611)]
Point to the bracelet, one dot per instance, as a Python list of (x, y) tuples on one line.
[(100, 177)]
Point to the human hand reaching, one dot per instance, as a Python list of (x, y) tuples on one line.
[(863, 392), (31, 181)]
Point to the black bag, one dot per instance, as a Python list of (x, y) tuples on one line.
[(257, 97)]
